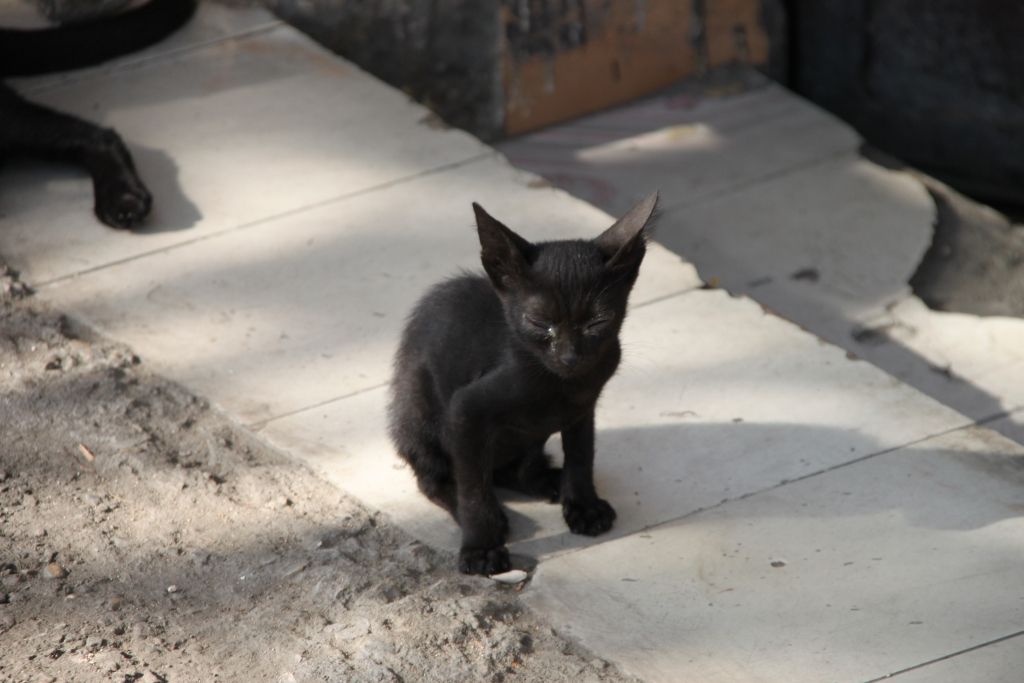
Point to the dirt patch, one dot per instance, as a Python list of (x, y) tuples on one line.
[(143, 537)]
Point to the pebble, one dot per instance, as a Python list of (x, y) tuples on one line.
[(279, 502), (377, 650), (172, 588), (512, 576), (29, 501), (91, 499), (55, 570), (151, 677), (6, 621), (4, 475), (38, 532), (341, 633), (115, 603)]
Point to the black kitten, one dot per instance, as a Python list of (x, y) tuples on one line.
[(27, 129), (490, 367)]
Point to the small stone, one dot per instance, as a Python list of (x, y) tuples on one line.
[(94, 643), (38, 532), (115, 603), (377, 650), (279, 502), (55, 570), (4, 475), (172, 588), (12, 580), (778, 563), (512, 576), (6, 621), (151, 677), (91, 499), (29, 501), (140, 630), (341, 633)]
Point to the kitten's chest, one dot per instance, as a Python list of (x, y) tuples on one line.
[(546, 415)]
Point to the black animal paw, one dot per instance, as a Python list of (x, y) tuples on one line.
[(588, 518), (122, 204), (485, 561)]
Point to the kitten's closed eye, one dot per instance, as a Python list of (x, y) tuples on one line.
[(598, 325), (541, 326)]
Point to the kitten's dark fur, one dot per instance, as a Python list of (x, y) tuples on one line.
[(26, 129), (490, 367)]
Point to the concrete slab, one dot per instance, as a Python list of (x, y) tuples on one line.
[(802, 227), (225, 135), (847, 576), (716, 400), (292, 312), (999, 662), (798, 221), (691, 148)]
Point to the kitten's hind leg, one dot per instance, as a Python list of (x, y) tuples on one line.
[(533, 476), (433, 474)]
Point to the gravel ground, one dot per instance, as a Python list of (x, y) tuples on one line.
[(143, 537)]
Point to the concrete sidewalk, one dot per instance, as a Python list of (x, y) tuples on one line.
[(786, 511)]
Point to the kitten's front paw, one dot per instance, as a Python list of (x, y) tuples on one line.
[(590, 518), (485, 561), (122, 203)]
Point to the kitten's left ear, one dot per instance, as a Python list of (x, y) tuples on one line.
[(624, 243)]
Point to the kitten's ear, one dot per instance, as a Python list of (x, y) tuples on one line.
[(624, 243), (503, 252)]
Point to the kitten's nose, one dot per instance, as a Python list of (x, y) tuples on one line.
[(569, 359)]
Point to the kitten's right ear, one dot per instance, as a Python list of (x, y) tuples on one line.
[(503, 252)]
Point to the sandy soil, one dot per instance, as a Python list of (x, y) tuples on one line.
[(143, 537)]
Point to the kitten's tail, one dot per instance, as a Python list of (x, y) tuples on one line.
[(73, 46)]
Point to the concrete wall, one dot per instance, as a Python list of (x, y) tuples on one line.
[(499, 67)]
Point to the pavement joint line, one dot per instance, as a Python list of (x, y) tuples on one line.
[(1000, 415), (773, 487), (996, 641), (266, 219), (143, 61), (260, 424), (668, 206)]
